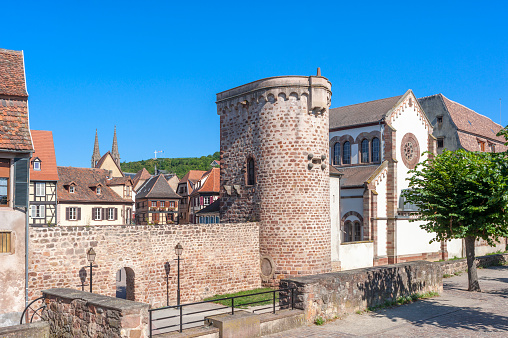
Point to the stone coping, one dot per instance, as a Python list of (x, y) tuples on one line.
[(279, 314), (23, 329), (333, 275), (118, 304), (357, 242)]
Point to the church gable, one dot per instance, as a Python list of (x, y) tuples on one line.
[(107, 162)]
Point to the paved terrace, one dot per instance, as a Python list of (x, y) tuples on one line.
[(456, 313)]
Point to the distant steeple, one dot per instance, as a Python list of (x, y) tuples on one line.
[(114, 150), (96, 156)]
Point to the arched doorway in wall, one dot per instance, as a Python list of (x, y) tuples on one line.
[(125, 284)]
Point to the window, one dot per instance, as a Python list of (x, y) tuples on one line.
[(251, 180), (98, 190), (439, 119), (346, 153), (38, 211), (154, 203), (4, 181), (71, 189), (217, 219), (73, 213), (482, 145), (375, 149), (348, 231), (201, 219), (440, 142), (212, 219), (492, 147), (97, 214), (5, 242), (40, 189), (358, 231), (405, 206), (162, 203), (128, 191), (207, 220), (37, 165), (206, 200), (365, 151), (336, 154), (111, 214), (172, 204)]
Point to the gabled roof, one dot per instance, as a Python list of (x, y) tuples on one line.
[(156, 187), (84, 178), (362, 113), (44, 149), (143, 174), (214, 207), (14, 129), (120, 181), (192, 176), (333, 171), (212, 182), (103, 158)]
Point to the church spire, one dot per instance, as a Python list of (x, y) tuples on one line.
[(96, 156), (114, 150)]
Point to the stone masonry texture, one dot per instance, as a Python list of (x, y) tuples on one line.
[(281, 123), (333, 294), (217, 258)]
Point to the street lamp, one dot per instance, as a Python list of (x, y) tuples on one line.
[(178, 251), (91, 258), (167, 267)]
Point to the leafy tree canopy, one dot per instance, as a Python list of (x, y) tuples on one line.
[(178, 166)]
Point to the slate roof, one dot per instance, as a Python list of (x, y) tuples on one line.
[(214, 207), (85, 178), (362, 113), (212, 182), (334, 171), (156, 187), (44, 149), (357, 175), (14, 129)]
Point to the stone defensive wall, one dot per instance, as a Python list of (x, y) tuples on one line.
[(280, 126), (217, 258), (331, 295)]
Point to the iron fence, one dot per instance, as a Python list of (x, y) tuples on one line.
[(286, 296)]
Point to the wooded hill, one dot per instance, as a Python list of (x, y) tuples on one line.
[(178, 166)]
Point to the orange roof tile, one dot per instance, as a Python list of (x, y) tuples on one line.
[(212, 182), (44, 149)]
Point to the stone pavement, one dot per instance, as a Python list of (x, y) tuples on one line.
[(456, 313)]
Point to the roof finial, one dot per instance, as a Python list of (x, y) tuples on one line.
[(318, 71)]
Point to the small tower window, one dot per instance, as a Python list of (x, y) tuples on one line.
[(251, 180), (440, 142)]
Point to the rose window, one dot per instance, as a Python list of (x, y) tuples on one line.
[(408, 150)]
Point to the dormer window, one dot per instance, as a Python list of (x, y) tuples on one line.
[(98, 190), (439, 119), (71, 189), (37, 164)]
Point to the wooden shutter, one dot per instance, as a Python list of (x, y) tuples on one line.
[(67, 214), (93, 214), (21, 182), (79, 213), (43, 211), (5, 165), (103, 212), (116, 214), (201, 202)]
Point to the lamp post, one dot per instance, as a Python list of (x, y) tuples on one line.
[(91, 258), (167, 267), (178, 251)]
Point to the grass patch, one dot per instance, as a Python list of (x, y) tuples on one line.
[(498, 252), (319, 321), (263, 299), (403, 300)]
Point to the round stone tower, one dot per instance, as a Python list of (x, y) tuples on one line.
[(274, 169)]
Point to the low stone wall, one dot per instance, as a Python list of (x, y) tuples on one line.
[(217, 258), (30, 330), (460, 265), (333, 294), (72, 313)]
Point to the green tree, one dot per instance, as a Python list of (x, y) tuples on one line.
[(462, 194)]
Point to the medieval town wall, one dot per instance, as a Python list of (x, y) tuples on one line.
[(282, 124), (217, 258)]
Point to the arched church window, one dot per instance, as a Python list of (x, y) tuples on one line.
[(346, 153), (358, 231), (348, 231), (336, 154), (251, 178), (375, 150), (365, 151)]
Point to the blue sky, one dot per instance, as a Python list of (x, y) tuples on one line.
[(153, 68)]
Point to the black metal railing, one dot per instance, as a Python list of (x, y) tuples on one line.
[(286, 301), (39, 308)]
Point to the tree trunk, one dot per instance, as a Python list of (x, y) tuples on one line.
[(472, 274)]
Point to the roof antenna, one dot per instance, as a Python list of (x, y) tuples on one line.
[(318, 71)]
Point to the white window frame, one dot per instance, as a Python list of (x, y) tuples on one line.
[(71, 189), (206, 200), (73, 214), (40, 189), (98, 190), (38, 211), (37, 165), (111, 214), (97, 215)]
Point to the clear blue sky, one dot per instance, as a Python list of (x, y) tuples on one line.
[(152, 68)]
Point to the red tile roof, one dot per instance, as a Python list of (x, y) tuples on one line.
[(356, 176), (14, 130), (143, 174), (45, 151), (85, 178), (192, 176), (212, 182)]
